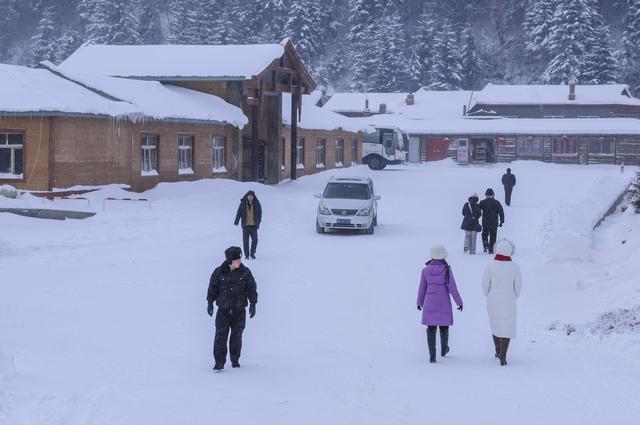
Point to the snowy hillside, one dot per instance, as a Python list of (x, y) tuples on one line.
[(103, 320), (361, 45)]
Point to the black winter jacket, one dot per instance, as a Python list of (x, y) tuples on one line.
[(471, 212), (508, 180), (232, 289), (491, 211), (241, 215)]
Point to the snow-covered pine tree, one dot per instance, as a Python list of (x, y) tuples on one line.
[(123, 23), (446, 69), (304, 28), (424, 41), (470, 61), (599, 64), (95, 16), (182, 21), (275, 13), (149, 26), (391, 73), (363, 21), (43, 43), (630, 53), (66, 44), (536, 26), (568, 40), (225, 23), (8, 23), (251, 20)]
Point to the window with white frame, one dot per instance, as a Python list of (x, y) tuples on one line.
[(218, 155), (149, 146), (320, 151), (354, 151), (11, 155), (601, 145), (339, 152), (530, 145), (185, 154), (300, 153)]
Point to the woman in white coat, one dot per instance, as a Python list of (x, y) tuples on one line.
[(502, 283)]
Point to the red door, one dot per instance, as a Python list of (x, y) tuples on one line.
[(436, 149)]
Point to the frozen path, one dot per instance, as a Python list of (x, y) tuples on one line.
[(105, 318)]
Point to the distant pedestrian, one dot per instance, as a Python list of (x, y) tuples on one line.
[(231, 287), (492, 218), (471, 212), (249, 215), (508, 181), (502, 284), (436, 284)]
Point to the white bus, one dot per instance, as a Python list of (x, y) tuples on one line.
[(384, 146)]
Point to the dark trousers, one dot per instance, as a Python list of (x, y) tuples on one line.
[(250, 232), (489, 235), (431, 339), (501, 346), (507, 195), (228, 321)]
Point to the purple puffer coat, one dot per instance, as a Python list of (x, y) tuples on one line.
[(433, 295)]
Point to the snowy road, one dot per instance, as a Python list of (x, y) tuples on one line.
[(103, 321)]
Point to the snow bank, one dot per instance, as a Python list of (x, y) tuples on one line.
[(7, 368)]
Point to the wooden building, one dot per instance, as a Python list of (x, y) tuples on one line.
[(251, 77), (58, 131)]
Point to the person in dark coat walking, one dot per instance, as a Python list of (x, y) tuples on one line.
[(508, 181), (249, 215), (492, 211), (231, 287), (471, 212), (437, 285)]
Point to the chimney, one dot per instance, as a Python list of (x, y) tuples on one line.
[(366, 105), (383, 108), (464, 110), (572, 91), (410, 99)]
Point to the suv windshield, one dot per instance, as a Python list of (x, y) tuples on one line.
[(347, 191)]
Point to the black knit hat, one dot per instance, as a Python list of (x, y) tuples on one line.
[(233, 253), (489, 192)]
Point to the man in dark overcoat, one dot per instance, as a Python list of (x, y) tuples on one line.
[(492, 218), (249, 215)]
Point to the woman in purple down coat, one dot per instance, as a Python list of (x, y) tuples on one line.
[(436, 283)]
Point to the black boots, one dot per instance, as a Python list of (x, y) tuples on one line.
[(431, 342), (444, 340), (504, 346), (496, 343)]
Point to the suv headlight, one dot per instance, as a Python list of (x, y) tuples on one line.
[(364, 211), (324, 210)]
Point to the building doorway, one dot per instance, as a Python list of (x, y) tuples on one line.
[(436, 148), (483, 151)]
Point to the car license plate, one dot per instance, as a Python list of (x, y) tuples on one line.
[(344, 221)]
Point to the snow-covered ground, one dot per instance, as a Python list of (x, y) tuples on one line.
[(103, 320)]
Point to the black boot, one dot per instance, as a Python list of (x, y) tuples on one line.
[(496, 343), (444, 340), (504, 346), (431, 342)]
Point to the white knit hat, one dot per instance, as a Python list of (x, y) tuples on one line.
[(438, 252), (505, 247)]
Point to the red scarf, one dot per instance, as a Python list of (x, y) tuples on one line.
[(502, 258)]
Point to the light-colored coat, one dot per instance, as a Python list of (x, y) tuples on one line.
[(502, 283)]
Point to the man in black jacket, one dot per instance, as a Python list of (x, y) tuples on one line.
[(250, 215), (491, 212), (231, 287), (508, 181)]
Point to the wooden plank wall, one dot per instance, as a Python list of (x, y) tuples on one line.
[(628, 150), (507, 150)]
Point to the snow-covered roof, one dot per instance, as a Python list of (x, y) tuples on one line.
[(174, 61), (606, 94), (317, 118), (161, 101), (26, 90), (508, 126), (356, 102), (432, 104)]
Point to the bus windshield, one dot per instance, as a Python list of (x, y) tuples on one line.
[(347, 191)]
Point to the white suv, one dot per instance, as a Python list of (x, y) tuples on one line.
[(348, 203)]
